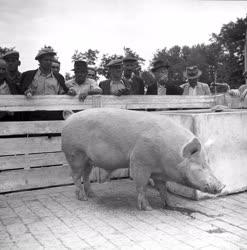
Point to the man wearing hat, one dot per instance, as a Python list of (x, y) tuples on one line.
[(6, 88), (43, 81), (116, 85), (13, 62), (242, 90), (81, 84), (162, 85), (131, 74), (193, 87)]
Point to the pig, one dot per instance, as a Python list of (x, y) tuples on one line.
[(151, 145)]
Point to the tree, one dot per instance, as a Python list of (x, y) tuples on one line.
[(231, 39), (90, 56)]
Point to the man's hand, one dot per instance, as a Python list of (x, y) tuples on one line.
[(121, 92), (28, 93), (71, 92), (82, 96), (243, 95)]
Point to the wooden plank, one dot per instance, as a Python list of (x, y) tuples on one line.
[(30, 127), (38, 177), (32, 160), (63, 102), (29, 145)]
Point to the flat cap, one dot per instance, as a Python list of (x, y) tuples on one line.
[(115, 62), (11, 53)]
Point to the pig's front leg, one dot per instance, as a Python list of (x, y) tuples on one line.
[(79, 188), (160, 185), (141, 175)]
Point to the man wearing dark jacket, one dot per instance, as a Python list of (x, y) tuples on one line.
[(162, 85), (43, 81), (131, 74), (116, 85)]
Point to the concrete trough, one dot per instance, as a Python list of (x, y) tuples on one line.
[(224, 136)]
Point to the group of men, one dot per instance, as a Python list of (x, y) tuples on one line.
[(125, 78)]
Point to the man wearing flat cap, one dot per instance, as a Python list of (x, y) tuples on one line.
[(43, 81), (13, 62), (131, 74), (115, 85), (193, 87), (162, 85), (82, 85)]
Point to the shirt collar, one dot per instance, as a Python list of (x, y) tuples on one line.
[(50, 75)]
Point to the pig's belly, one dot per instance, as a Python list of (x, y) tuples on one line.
[(109, 157)]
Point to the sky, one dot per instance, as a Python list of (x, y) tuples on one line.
[(110, 25)]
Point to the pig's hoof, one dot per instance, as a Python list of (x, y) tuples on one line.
[(80, 195), (144, 205)]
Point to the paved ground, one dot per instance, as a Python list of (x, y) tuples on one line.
[(54, 219)]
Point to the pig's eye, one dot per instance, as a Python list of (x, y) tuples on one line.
[(194, 151)]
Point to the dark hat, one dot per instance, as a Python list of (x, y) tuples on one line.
[(115, 62), (130, 59), (12, 53), (80, 65), (192, 72), (159, 64), (45, 51)]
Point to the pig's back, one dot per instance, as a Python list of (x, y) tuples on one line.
[(119, 128)]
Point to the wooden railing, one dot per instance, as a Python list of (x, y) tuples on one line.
[(30, 152)]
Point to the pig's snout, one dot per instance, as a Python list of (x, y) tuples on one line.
[(216, 188)]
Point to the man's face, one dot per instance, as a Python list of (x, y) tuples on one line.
[(129, 67), (116, 71), (45, 62), (3, 69), (80, 75), (193, 82), (91, 74), (161, 74), (55, 67), (12, 63)]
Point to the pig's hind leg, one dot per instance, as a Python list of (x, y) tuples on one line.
[(141, 175), (78, 162), (86, 173)]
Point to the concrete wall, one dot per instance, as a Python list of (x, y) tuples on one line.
[(224, 136)]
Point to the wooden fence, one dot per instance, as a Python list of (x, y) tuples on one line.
[(30, 152)]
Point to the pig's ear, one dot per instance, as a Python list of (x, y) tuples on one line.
[(67, 114), (191, 148)]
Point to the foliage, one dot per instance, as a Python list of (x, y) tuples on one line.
[(90, 56)]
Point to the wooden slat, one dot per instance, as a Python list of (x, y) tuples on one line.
[(29, 145), (32, 160), (56, 102), (39, 177), (32, 127)]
